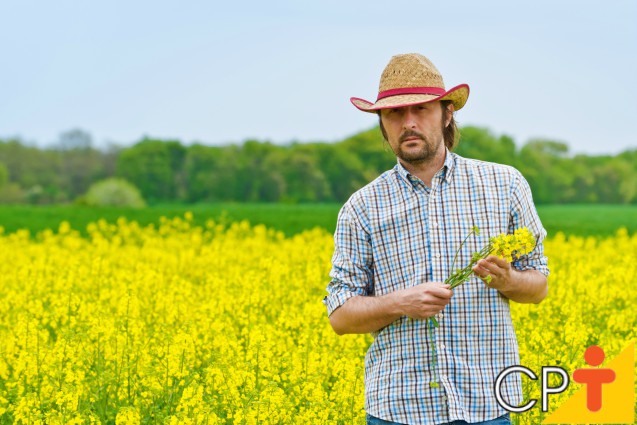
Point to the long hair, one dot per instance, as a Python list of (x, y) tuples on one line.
[(450, 133)]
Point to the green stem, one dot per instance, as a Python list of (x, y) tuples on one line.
[(461, 245), (458, 278), (434, 358)]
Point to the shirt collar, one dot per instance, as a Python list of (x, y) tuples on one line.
[(445, 173)]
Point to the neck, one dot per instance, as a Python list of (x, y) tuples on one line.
[(425, 170)]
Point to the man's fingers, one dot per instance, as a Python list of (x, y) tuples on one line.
[(437, 289), (438, 301), (483, 274), (481, 271), (441, 293), (436, 296), (488, 267), (500, 262)]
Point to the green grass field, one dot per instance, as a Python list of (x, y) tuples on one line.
[(585, 220)]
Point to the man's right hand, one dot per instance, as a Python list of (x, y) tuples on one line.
[(423, 300), (363, 314)]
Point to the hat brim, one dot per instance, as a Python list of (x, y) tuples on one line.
[(458, 95)]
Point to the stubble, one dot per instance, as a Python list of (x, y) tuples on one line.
[(426, 152)]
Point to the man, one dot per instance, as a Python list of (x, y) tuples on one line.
[(395, 242)]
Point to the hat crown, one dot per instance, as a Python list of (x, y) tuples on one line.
[(410, 70)]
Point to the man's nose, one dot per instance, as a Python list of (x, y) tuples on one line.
[(409, 119)]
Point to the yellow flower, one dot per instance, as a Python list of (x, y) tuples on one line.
[(510, 246)]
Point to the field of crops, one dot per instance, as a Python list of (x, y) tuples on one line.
[(581, 220), (185, 324)]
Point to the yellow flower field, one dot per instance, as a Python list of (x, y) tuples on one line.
[(177, 324)]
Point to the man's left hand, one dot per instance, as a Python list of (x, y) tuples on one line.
[(500, 271)]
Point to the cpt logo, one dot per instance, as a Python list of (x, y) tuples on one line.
[(606, 396)]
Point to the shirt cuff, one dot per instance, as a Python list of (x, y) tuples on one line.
[(337, 299), (540, 268)]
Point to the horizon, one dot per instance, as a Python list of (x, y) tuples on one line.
[(104, 147)]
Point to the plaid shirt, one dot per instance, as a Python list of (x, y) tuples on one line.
[(395, 233)]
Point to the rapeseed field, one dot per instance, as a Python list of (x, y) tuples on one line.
[(223, 324)]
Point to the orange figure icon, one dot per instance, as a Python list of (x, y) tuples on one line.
[(594, 378)]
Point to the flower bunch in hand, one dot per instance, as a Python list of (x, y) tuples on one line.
[(505, 246)]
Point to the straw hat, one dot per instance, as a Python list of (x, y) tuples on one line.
[(411, 79)]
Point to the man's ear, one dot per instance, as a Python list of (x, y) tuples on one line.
[(449, 113)]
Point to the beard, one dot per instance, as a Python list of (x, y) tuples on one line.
[(427, 150)]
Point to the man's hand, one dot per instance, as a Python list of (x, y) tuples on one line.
[(363, 314), (423, 300), (529, 286), (496, 267)]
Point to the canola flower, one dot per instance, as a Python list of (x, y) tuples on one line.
[(505, 246), (179, 324)]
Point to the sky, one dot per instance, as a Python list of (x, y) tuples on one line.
[(219, 73)]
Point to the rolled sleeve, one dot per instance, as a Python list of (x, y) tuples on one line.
[(351, 263), (524, 214)]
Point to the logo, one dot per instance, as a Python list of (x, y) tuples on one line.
[(607, 395)]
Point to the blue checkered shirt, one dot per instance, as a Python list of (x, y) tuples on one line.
[(395, 233)]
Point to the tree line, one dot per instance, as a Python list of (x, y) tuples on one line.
[(257, 171)]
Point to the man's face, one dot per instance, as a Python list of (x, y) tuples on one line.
[(415, 132)]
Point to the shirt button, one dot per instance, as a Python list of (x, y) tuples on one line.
[(442, 346), (434, 223), (437, 255)]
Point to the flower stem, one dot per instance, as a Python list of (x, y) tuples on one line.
[(473, 229)]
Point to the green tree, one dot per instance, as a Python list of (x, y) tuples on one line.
[(545, 164), (583, 186), (371, 149), (480, 143), (200, 167), (28, 165), (306, 181), (4, 175), (259, 175), (156, 168), (345, 170), (79, 164), (615, 181)]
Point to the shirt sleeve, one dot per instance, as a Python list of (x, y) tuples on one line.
[(351, 263), (524, 214)]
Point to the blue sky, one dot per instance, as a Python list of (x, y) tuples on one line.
[(285, 70)]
